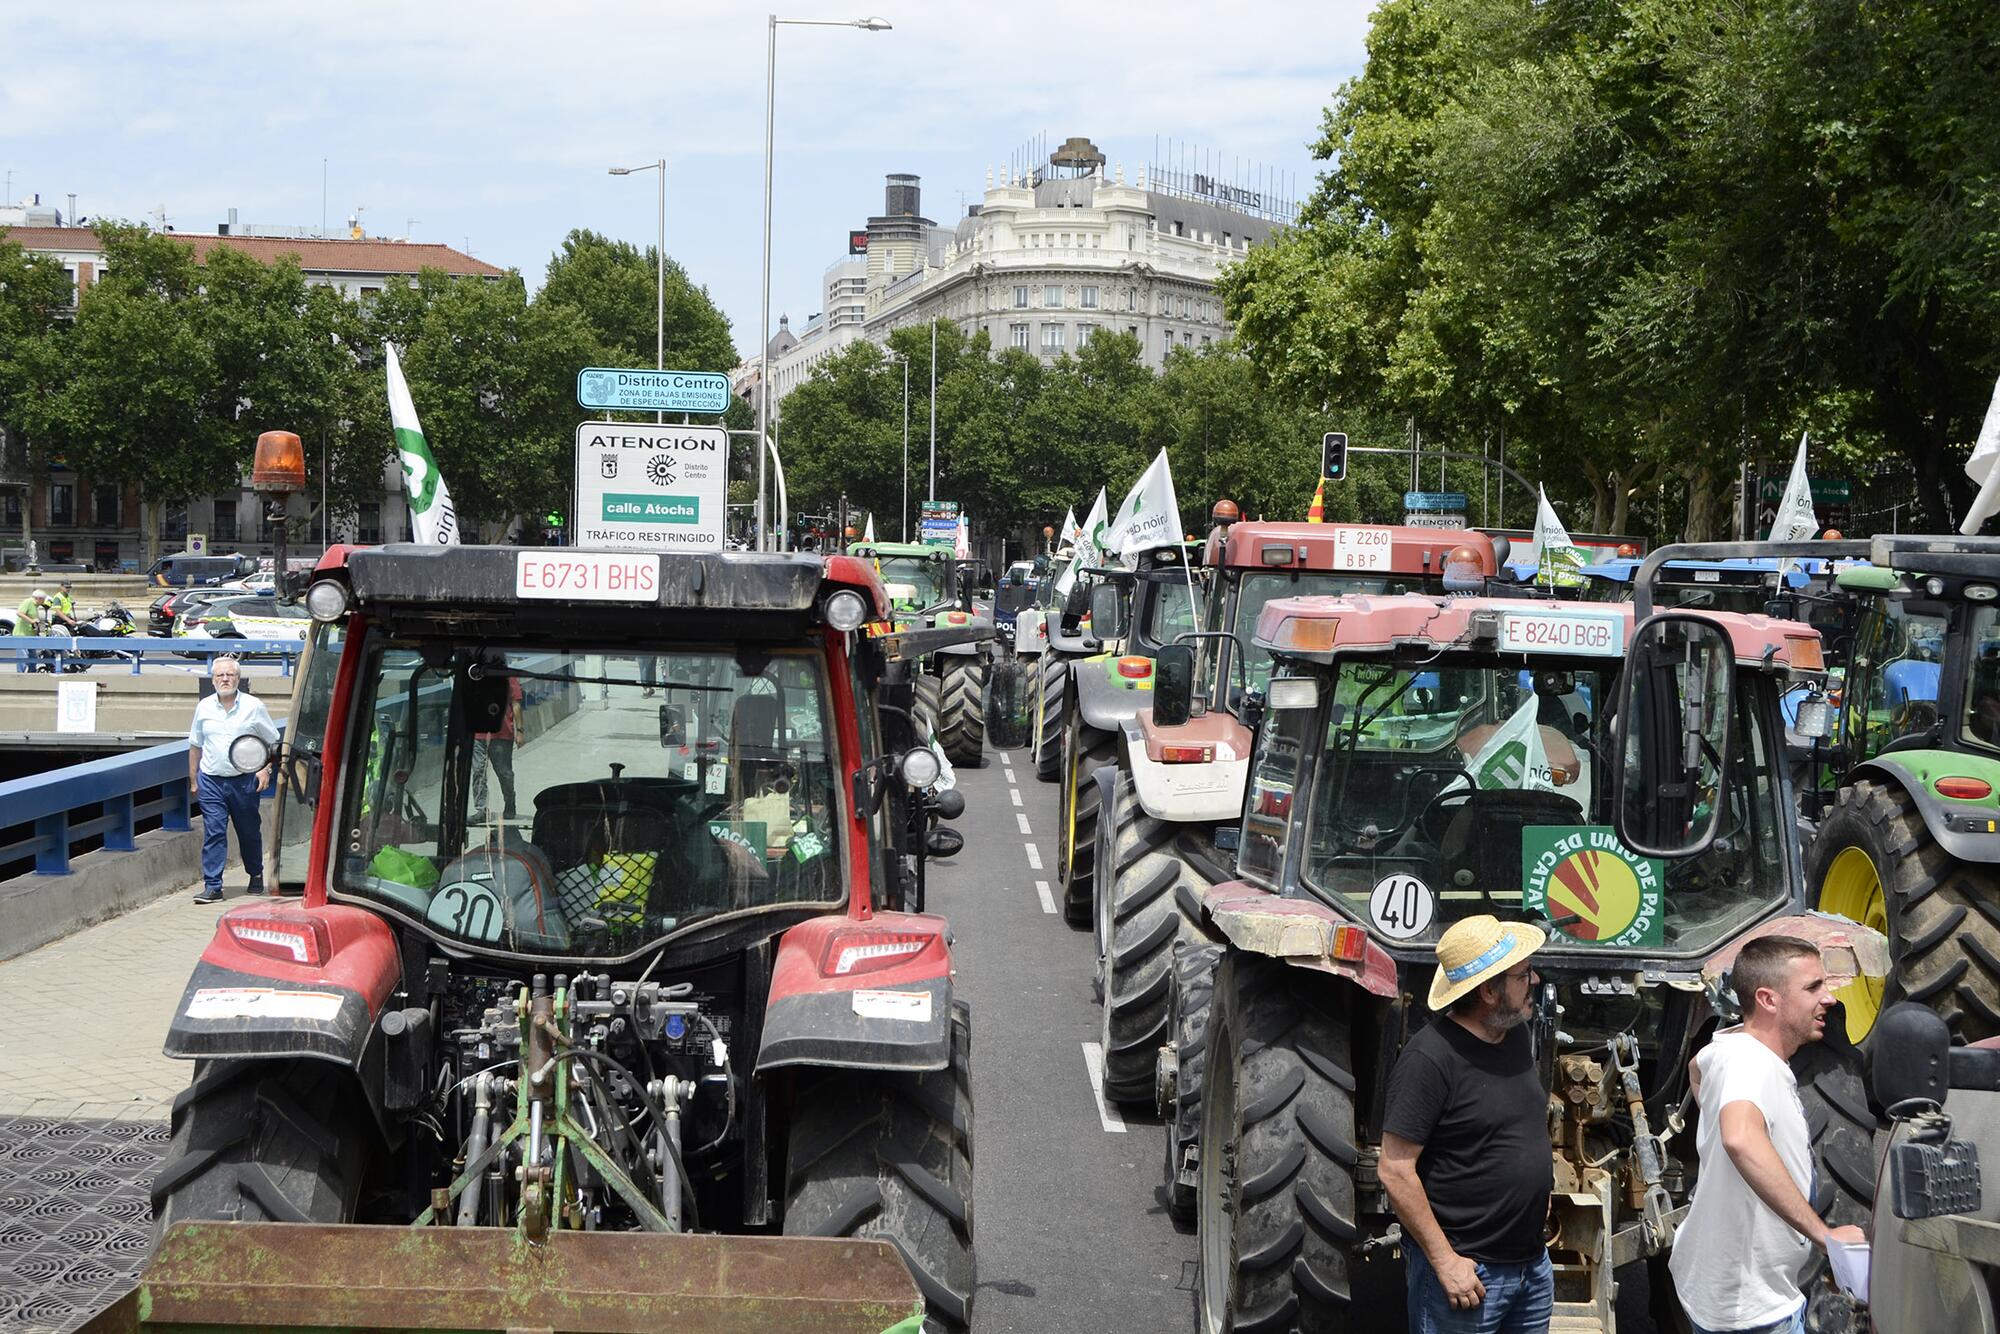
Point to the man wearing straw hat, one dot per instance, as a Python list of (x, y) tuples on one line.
[(1465, 1143)]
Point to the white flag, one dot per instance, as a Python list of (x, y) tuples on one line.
[(1150, 518), (432, 519), (1067, 534), (1514, 756), (868, 534), (962, 548), (1089, 548), (1984, 468), (1558, 561), (1795, 521)]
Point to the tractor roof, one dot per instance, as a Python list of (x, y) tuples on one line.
[(1317, 628), (1755, 570), (1344, 546), (898, 549), (464, 578)]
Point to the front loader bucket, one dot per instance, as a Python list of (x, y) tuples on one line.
[(211, 1276)]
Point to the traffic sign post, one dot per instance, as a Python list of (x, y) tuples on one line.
[(652, 391), (650, 487)]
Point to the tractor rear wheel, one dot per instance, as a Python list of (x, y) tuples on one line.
[(1085, 749), (1841, 1125), (889, 1156), (1874, 861), (1119, 807), (1275, 1204), (1051, 697), (1152, 883), (1188, 1005), (263, 1141), (962, 711), (924, 708)]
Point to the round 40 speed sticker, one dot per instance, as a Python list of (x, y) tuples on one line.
[(1401, 906)]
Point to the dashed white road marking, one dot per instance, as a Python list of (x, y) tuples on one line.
[(1010, 775), (1034, 856), (1021, 818), (1015, 793), (1048, 900), (1093, 1064), (1006, 760)]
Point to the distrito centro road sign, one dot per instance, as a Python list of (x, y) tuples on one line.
[(652, 391), (651, 488)]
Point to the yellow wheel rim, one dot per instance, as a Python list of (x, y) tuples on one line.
[(1853, 889)]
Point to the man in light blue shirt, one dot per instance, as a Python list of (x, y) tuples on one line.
[(226, 794)]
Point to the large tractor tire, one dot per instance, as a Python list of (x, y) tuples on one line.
[(1085, 750), (264, 1141), (1275, 1205), (1188, 1005), (1120, 801), (962, 711), (1156, 875), (889, 1156), (1841, 1125), (1051, 713), (926, 706), (1875, 862)]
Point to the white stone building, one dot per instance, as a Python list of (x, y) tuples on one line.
[(1047, 262)]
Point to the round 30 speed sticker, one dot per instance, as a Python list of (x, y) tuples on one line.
[(1401, 906)]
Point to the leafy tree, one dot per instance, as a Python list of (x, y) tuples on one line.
[(615, 287), (35, 297)]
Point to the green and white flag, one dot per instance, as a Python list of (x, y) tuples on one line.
[(433, 521), (1089, 548), (868, 535), (1559, 562), (1150, 518), (1984, 468), (1795, 521), (1067, 534)]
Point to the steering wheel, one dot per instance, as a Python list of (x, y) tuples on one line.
[(1914, 715), (1433, 819)]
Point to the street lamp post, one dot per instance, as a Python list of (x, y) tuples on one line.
[(764, 347), (933, 493), (660, 256), (906, 440)]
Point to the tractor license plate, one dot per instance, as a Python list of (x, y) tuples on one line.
[(1363, 548), (594, 576), (1566, 632)]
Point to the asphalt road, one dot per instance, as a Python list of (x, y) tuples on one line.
[(1071, 1230)]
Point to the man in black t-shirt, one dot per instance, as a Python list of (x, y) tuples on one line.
[(1465, 1145)]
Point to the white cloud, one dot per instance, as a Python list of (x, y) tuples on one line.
[(495, 121)]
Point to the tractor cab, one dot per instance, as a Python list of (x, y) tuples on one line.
[(916, 577)]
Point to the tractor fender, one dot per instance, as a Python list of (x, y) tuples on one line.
[(1969, 831), (860, 995), (1188, 792), (1105, 699), (1075, 645), (971, 648), (245, 1002), (1300, 932), (1848, 949)]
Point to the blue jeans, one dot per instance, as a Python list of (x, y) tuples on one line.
[(227, 801), (1518, 1300), (1795, 1323)]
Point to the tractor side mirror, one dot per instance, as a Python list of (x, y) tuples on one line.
[(1107, 612), (949, 804), (1173, 685), (1672, 752), (1911, 1058), (943, 843), (249, 753), (673, 731)]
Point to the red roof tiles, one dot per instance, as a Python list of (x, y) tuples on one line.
[(314, 256)]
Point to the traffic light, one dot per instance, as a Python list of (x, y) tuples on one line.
[(1333, 456)]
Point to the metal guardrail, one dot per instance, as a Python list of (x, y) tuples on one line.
[(50, 801), (63, 653)]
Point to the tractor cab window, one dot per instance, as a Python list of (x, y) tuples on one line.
[(1465, 785), (914, 582), (1258, 589), (302, 767), (1893, 677), (1982, 690), (1170, 609), (584, 804)]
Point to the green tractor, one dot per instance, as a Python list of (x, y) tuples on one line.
[(1911, 845), (931, 589)]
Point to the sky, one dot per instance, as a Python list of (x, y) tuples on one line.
[(490, 127)]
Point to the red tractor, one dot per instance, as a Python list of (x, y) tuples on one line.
[(664, 969)]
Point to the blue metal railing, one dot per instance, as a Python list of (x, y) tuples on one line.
[(50, 802), (62, 653)]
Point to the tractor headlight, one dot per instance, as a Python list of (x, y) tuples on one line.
[(845, 610), (920, 767), (326, 600)]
